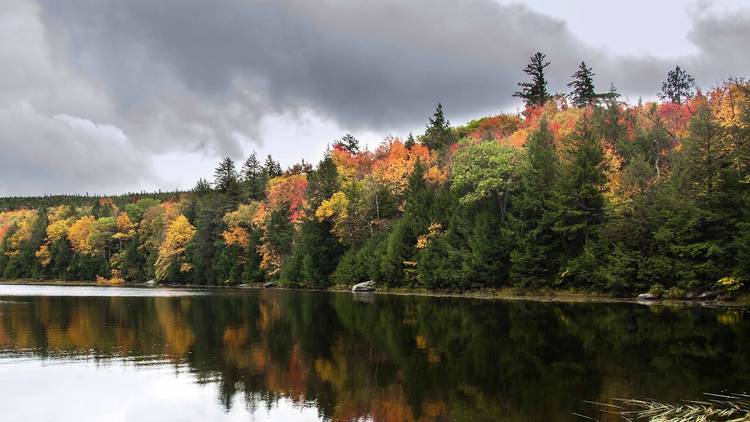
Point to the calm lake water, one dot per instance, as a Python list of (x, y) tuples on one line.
[(124, 354)]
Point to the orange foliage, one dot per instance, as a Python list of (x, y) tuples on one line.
[(236, 236), (496, 127), (395, 163), (350, 166)]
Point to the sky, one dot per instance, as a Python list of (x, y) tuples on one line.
[(109, 96)]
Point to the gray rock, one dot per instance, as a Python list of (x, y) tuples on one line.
[(269, 285), (647, 296), (151, 283), (366, 286), (708, 295)]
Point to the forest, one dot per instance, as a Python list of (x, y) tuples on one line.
[(581, 190)]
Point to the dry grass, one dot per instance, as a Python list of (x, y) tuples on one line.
[(716, 407)]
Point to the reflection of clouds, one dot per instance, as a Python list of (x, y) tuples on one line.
[(95, 291), (82, 391)]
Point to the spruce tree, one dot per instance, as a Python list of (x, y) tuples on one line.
[(438, 134), (534, 260), (678, 87), (253, 178), (409, 141), (582, 93), (348, 143), (579, 200), (225, 176), (271, 168), (534, 93)]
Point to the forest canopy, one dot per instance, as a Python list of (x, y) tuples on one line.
[(580, 190)]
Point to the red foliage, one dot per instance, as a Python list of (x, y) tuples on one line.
[(288, 190)]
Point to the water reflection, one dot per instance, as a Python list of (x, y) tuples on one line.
[(386, 358)]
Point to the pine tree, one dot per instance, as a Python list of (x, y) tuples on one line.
[(226, 179), (678, 87), (201, 188), (409, 141), (582, 93), (348, 143), (438, 134), (253, 178), (534, 93), (271, 168)]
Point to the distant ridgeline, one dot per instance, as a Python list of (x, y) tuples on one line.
[(11, 203), (577, 191)]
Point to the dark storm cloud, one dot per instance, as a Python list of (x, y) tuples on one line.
[(139, 77), (220, 66), (364, 64)]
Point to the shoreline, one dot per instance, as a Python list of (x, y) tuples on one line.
[(506, 294)]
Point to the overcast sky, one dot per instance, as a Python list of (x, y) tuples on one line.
[(108, 96)]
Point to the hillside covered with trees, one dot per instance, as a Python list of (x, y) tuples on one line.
[(580, 190)]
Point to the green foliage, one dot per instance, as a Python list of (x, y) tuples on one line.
[(602, 196), (486, 170)]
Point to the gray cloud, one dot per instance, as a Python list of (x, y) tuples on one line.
[(53, 154), (187, 75), (363, 64)]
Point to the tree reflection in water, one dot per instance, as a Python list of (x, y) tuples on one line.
[(398, 358)]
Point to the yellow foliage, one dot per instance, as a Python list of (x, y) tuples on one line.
[(435, 175), (337, 204), (79, 234), (116, 279), (60, 212), (25, 224), (424, 239), (179, 233), (125, 227), (59, 229), (243, 216), (43, 255)]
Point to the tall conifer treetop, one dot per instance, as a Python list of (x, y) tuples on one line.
[(535, 93), (678, 88), (582, 93)]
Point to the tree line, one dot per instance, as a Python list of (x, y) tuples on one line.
[(580, 190)]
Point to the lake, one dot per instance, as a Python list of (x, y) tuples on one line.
[(130, 354)]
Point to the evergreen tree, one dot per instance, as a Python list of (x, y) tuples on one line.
[(253, 178), (678, 87), (534, 93), (316, 251), (271, 168), (582, 93), (348, 143), (535, 260), (410, 142), (438, 134), (579, 200), (202, 250), (226, 179)]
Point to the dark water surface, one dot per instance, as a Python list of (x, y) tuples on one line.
[(121, 354)]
